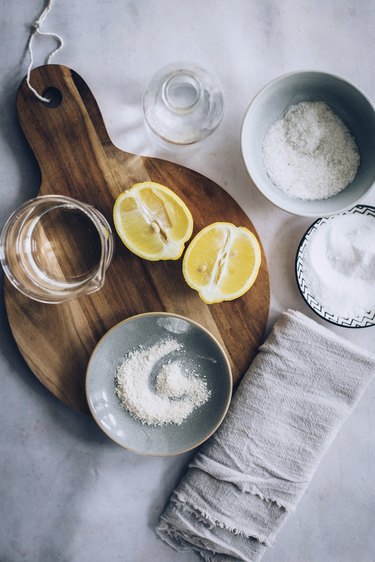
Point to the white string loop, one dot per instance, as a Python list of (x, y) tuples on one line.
[(35, 30)]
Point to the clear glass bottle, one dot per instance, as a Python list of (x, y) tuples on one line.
[(183, 103)]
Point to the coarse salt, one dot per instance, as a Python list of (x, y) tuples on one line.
[(174, 394), (310, 153)]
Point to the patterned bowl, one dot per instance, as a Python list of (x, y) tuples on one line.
[(312, 300)]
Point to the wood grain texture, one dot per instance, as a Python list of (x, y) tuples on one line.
[(77, 158)]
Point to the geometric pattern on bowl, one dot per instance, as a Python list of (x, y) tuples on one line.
[(365, 321)]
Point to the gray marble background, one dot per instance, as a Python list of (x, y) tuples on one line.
[(67, 493)]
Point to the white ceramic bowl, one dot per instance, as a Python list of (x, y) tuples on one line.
[(346, 100)]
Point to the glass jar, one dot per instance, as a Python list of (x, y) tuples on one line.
[(183, 103), (54, 248)]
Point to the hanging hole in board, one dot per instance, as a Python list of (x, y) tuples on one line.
[(54, 96)]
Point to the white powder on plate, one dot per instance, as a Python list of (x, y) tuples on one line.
[(339, 268), (310, 153), (174, 394)]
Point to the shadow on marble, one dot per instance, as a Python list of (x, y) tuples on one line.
[(175, 471), (129, 128), (11, 136), (281, 261)]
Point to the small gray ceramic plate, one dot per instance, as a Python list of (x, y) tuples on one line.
[(202, 353)]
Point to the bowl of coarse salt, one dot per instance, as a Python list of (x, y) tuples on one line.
[(158, 384), (308, 143)]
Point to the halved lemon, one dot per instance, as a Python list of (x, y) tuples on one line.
[(222, 262), (152, 221)]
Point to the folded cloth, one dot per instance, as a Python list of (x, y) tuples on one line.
[(244, 481)]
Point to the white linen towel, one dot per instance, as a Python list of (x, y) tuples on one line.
[(253, 471)]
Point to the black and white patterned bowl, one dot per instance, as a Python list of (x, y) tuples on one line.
[(313, 300)]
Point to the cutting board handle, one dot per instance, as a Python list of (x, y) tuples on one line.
[(59, 131)]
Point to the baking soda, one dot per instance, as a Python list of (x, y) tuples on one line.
[(173, 394), (339, 265)]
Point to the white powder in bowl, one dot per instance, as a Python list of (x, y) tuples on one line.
[(310, 153), (174, 394), (173, 382), (339, 266)]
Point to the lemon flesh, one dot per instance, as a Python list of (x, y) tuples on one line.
[(222, 262), (152, 221)]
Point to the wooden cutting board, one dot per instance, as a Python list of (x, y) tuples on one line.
[(77, 158)]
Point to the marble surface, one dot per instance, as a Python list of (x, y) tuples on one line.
[(67, 493)]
